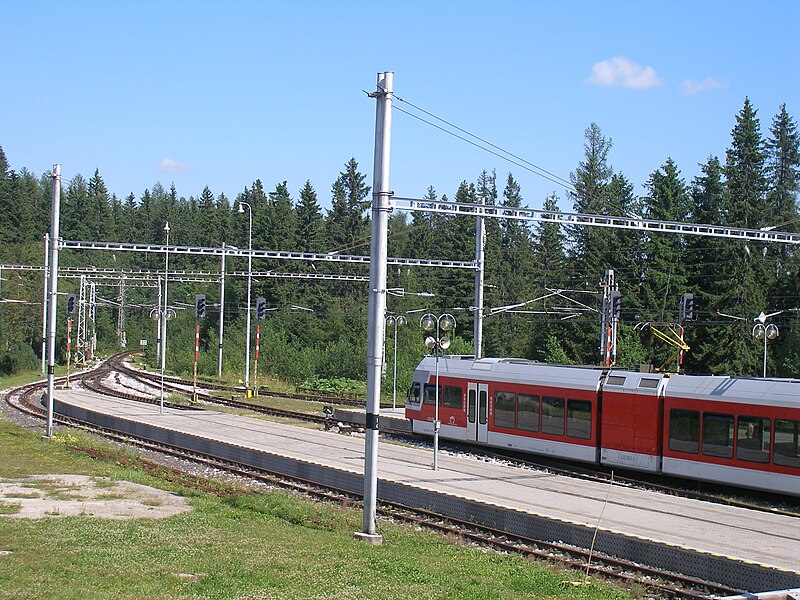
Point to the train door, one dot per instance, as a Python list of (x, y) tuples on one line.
[(477, 412)]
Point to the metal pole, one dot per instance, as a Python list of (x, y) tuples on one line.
[(55, 209), (394, 368), (44, 299), (480, 243), (765, 352), (436, 407), (164, 320), (157, 319), (221, 311), (377, 296), (249, 283)]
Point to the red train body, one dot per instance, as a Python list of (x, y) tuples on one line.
[(735, 431)]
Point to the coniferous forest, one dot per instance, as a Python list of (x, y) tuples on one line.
[(754, 185)]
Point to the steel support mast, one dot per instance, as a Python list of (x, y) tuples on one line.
[(480, 245), (55, 210), (377, 297), (221, 310)]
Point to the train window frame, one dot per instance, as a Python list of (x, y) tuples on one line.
[(483, 406), (472, 405), (548, 421), (718, 428), (780, 458), (429, 394), (415, 386), (575, 422), (751, 432), (452, 396), (525, 424), (505, 418), (687, 444)]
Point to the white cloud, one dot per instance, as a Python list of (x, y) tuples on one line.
[(622, 72), (690, 87), (173, 166)]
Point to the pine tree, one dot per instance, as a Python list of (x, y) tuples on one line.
[(588, 245), (783, 167), (550, 260), (280, 219), (207, 219), (741, 277), (664, 279), (6, 200), (309, 232), (100, 220)]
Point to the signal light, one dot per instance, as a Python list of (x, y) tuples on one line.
[(200, 306), (615, 299), (261, 309), (71, 304), (687, 307)]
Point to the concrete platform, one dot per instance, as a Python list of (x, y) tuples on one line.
[(745, 549)]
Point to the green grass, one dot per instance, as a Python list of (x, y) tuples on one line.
[(269, 545)]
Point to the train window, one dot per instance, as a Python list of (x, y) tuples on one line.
[(718, 435), (615, 380), (579, 419), (646, 382), (505, 409), (528, 412), (483, 402), (451, 397), (787, 448), (413, 394), (471, 406), (552, 415), (752, 439), (684, 430), (429, 397)]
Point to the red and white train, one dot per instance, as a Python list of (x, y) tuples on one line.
[(732, 430)]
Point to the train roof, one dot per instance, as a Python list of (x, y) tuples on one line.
[(768, 392), (515, 370)]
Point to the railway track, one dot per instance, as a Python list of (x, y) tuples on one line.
[(119, 365), (592, 565)]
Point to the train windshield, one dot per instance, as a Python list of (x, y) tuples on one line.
[(413, 395)]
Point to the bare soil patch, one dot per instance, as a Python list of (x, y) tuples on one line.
[(40, 496)]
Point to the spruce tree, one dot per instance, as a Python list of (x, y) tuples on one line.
[(309, 232), (664, 277)]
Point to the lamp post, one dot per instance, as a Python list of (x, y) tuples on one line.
[(766, 332), (395, 320), (164, 318), (437, 339), (249, 281)]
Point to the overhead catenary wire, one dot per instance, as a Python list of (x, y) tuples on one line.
[(534, 168), (519, 162)]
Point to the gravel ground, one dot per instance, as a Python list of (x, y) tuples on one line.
[(31, 423)]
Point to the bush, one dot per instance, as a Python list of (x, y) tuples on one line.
[(20, 357)]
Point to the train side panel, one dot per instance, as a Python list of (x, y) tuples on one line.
[(520, 405), (734, 431), (631, 420)]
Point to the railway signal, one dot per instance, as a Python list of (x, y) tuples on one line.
[(686, 307), (199, 306), (261, 309), (71, 304), (615, 298)]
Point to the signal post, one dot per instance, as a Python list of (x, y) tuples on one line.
[(199, 313)]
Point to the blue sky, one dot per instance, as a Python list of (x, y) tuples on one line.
[(221, 94)]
